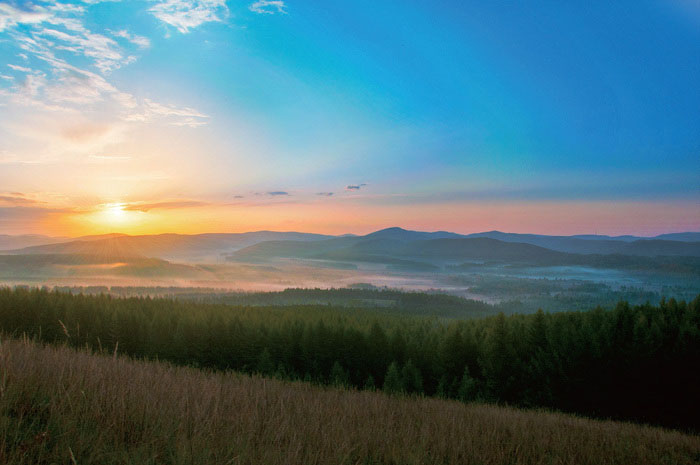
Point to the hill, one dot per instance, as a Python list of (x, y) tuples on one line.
[(636, 357), (62, 406), (182, 247), (41, 266), (8, 242), (390, 242), (433, 254), (669, 244)]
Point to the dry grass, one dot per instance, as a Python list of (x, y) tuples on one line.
[(62, 406)]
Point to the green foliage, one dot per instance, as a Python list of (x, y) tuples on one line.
[(338, 376), (393, 384), (369, 384), (631, 362), (467, 387), (411, 378), (265, 365)]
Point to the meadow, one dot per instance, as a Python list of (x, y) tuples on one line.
[(67, 406)]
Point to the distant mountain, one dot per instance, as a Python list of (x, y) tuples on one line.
[(8, 243), (657, 247), (601, 237), (97, 237), (372, 249), (484, 249), (41, 266), (396, 247), (178, 247), (682, 237), (603, 245), (27, 240), (405, 235), (291, 249)]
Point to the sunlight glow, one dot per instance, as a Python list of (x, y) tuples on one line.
[(114, 216), (115, 212)]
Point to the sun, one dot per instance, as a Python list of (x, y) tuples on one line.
[(115, 212), (115, 215)]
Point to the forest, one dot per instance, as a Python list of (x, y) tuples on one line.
[(635, 363)]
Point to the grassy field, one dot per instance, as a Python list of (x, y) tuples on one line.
[(58, 405)]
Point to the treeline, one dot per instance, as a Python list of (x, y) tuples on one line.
[(636, 363), (405, 302), (365, 296)]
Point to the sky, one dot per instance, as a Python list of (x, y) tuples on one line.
[(195, 116)]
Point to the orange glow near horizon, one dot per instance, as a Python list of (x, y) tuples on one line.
[(113, 216), (555, 218)]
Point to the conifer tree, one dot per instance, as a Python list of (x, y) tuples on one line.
[(393, 383)]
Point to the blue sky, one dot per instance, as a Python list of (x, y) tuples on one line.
[(421, 104)]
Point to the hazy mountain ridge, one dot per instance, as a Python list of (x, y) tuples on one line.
[(626, 245), (394, 247), (400, 247), (8, 242), (167, 246)]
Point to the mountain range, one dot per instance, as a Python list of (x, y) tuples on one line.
[(395, 248)]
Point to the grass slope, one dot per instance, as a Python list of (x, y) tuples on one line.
[(62, 406)]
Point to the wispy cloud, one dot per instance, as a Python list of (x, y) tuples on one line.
[(141, 41), (75, 38), (325, 194), (109, 158), (179, 116), (17, 217), (184, 15), (68, 85), (16, 199), (277, 193), (84, 132), (7, 158), (355, 187), (23, 69), (172, 205), (11, 16), (268, 7)]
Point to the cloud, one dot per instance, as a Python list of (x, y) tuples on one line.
[(104, 51), (20, 68), (178, 116), (354, 187), (109, 158), (32, 84), (184, 15), (277, 193), (268, 7), (20, 216), (59, 28), (140, 41), (325, 194), (16, 199), (84, 132), (7, 158), (144, 207), (78, 87), (60, 99), (11, 16)]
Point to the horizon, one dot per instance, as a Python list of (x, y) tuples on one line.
[(191, 116), (115, 233)]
